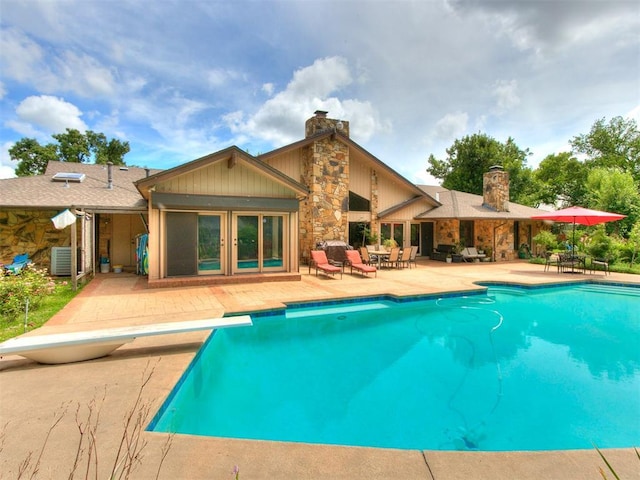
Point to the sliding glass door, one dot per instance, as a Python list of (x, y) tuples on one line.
[(211, 244), (258, 243)]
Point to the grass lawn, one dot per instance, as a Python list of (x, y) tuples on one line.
[(47, 307)]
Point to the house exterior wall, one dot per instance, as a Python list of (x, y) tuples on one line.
[(220, 179), (32, 232)]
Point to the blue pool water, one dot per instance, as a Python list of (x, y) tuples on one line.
[(515, 369)]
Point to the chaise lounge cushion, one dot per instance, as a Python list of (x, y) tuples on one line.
[(470, 254)]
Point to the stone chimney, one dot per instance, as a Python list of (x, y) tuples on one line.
[(320, 123), (495, 189)]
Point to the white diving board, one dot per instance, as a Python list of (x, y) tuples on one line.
[(87, 345)]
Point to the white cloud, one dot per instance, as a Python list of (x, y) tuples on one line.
[(281, 118), (506, 94), (268, 88), (451, 126), (7, 166), (50, 113)]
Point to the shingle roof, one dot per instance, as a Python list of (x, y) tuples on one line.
[(468, 206), (41, 192)]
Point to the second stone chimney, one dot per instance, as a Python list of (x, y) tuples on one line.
[(320, 123), (495, 189)]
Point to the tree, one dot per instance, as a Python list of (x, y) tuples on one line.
[(612, 190), (561, 178), (32, 157), (71, 146), (612, 145), (471, 157)]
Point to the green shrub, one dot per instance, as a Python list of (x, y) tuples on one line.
[(31, 284), (600, 245), (546, 239)]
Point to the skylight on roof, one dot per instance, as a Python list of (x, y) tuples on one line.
[(68, 177)]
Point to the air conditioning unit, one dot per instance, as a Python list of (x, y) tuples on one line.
[(61, 261)]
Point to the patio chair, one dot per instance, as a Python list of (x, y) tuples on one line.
[(392, 259), (412, 257), (366, 258), (404, 258), (19, 262), (321, 263), (602, 263), (550, 260), (354, 259)]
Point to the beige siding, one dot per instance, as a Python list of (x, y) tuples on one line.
[(391, 192), (360, 179), (290, 163), (218, 179)]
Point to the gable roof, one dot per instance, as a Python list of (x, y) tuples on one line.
[(232, 155), (337, 135), (468, 206), (41, 192)]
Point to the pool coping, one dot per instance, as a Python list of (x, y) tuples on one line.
[(117, 299)]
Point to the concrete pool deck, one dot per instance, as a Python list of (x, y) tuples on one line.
[(31, 394)]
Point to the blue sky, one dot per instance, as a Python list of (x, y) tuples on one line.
[(181, 79)]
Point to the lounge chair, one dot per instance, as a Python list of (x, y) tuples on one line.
[(470, 254), (321, 263), (19, 262), (354, 259)]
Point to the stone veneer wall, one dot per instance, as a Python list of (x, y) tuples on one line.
[(32, 232), (324, 214), (448, 232)]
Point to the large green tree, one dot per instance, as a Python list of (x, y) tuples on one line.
[(32, 157), (469, 158), (70, 146), (615, 144), (561, 179), (613, 190)]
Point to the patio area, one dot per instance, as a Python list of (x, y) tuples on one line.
[(31, 394)]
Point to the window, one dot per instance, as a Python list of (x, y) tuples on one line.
[(466, 233), (358, 203)]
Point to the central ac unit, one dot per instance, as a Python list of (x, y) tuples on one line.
[(61, 261)]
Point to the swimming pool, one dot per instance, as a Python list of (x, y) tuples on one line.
[(513, 369)]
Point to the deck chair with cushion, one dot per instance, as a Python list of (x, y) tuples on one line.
[(354, 259), (19, 262), (470, 254), (321, 263)]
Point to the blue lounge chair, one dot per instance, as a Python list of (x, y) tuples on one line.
[(19, 262)]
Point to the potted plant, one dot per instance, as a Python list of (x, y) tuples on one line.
[(389, 243), (456, 256)]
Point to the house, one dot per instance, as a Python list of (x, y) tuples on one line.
[(231, 216)]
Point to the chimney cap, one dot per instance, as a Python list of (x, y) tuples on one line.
[(320, 113), (495, 168)]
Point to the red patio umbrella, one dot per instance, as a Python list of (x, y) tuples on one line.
[(579, 215)]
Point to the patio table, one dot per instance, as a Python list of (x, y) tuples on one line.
[(380, 254)]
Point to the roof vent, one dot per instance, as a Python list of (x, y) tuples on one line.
[(124, 169), (68, 177)]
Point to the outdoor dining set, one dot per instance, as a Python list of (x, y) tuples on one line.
[(362, 260)]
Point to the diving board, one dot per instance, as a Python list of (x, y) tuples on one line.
[(87, 345)]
